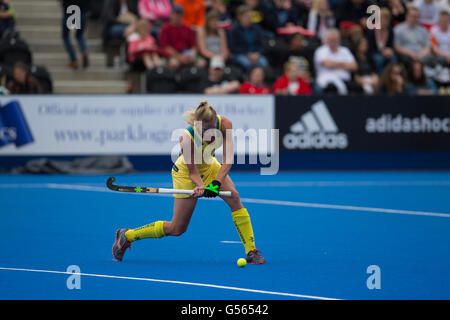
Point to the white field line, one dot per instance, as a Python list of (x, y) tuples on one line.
[(207, 285), (344, 207), (245, 200), (368, 183)]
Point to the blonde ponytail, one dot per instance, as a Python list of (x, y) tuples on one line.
[(204, 112), (189, 117)]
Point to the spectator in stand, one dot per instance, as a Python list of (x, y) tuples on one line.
[(352, 11), (84, 6), (303, 7), (429, 12), (141, 45), (224, 17), (23, 82), (117, 16), (7, 17), (178, 40), (291, 83), (217, 82), (301, 55), (392, 80), (440, 38), (411, 40), (365, 75), (381, 42), (194, 12), (246, 41), (351, 32), (211, 40), (156, 12), (334, 65), (398, 11), (320, 18), (418, 83), (255, 85), (286, 14), (263, 15)]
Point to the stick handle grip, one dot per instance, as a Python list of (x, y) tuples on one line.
[(181, 191)]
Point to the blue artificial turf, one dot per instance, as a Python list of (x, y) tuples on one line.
[(51, 222)]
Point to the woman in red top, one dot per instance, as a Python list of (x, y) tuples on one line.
[(291, 83), (255, 85)]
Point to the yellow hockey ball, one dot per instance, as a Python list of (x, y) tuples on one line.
[(241, 262)]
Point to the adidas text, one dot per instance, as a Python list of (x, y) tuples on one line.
[(319, 140)]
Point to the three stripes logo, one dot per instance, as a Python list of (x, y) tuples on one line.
[(316, 129)]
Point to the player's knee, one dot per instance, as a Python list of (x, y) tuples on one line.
[(235, 200), (235, 195), (178, 230)]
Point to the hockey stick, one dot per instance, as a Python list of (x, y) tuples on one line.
[(114, 187)]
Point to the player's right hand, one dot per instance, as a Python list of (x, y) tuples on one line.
[(198, 192)]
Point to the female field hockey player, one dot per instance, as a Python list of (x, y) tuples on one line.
[(204, 177)]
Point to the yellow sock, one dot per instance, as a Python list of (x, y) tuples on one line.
[(244, 228), (152, 230)]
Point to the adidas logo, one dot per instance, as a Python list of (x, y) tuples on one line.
[(316, 129)]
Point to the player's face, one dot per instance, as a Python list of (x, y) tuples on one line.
[(206, 125), (203, 126)]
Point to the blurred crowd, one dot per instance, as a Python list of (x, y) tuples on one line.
[(290, 47), (18, 75)]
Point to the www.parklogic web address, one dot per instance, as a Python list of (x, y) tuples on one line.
[(104, 136)]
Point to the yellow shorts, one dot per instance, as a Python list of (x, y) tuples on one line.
[(180, 175)]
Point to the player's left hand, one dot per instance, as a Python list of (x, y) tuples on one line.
[(212, 190)]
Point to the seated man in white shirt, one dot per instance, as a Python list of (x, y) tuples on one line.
[(440, 38), (334, 64), (440, 47)]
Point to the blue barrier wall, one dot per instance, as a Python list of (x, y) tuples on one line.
[(292, 161), (315, 133)]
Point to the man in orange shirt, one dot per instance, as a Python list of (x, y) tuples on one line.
[(194, 12)]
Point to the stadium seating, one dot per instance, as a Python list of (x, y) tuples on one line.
[(111, 51)]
